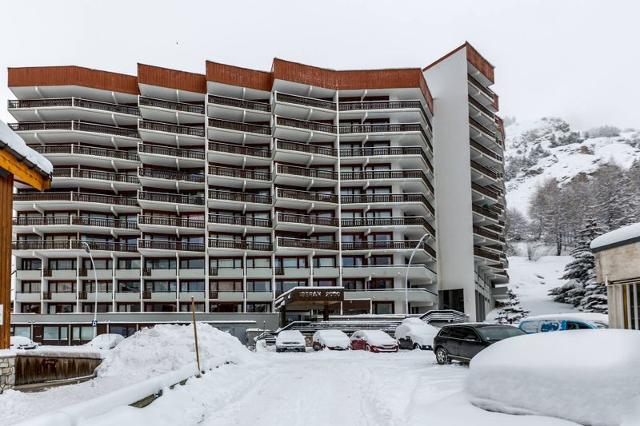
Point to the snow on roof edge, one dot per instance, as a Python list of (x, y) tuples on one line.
[(17, 146), (621, 236)]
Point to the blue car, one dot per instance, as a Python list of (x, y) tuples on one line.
[(562, 322)]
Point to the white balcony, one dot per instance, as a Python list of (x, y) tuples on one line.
[(62, 109), (76, 132)]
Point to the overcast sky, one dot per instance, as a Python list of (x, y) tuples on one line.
[(574, 59)]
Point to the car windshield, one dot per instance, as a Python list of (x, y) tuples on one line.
[(600, 324), (494, 334)]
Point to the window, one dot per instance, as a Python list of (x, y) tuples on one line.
[(324, 282), (226, 285), (30, 264), (259, 286), (258, 307), (353, 284), (324, 262), (22, 330), (62, 287), (383, 308), (286, 285), (381, 283), (102, 307), (81, 332), (30, 308), (128, 286), (192, 286), (55, 332), (291, 262), (381, 260), (30, 287), (128, 263), (127, 307), (225, 307), (353, 261), (186, 307), (160, 286), (226, 263), (62, 264), (100, 264), (160, 307), (103, 286), (162, 263), (195, 263)]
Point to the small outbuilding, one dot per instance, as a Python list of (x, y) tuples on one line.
[(19, 165), (617, 256)]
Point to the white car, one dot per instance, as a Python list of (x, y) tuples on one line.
[(290, 340), (332, 339), (413, 333), (373, 341), (21, 342), (105, 341)]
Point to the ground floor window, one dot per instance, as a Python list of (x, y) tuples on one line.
[(225, 307), (22, 330), (30, 308), (61, 308), (160, 307), (186, 307), (102, 307), (258, 307), (55, 332), (122, 329), (128, 307), (81, 332), (383, 308), (452, 299)]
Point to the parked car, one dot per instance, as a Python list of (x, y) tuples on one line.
[(332, 339), (562, 322), (373, 341), (105, 341), (290, 340), (413, 333), (461, 342), (21, 342)]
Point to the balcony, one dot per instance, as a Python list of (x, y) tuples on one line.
[(313, 126), (484, 114), (230, 198), (388, 222), (486, 213), (170, 221), (171, 134), (485, 255), (483, 192), (357, 129), (238, 132), (386, 105), (240, 103), (482, 134), (64, 131), (290, 220), (171, 178), (482, 174), (54, 109), (302, 174), (297, 152), (62, 152), (485, 233), (248, 155), (73, 245), (388, 199), (387, 175), (235, 221), (170, 105), (305, 101), (387, 245), (61, 200), (166, 156), (105, 180), (169, 246), (300, 243), (239, 245), (167, 201), (479, 152), (485, 95), (293, 198), (231, 175), (73, 222), (386, 151)]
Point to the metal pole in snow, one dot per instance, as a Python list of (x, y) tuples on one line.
[(195, 332)]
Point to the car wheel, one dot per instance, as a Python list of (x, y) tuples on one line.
[(442, 356), (416, 346), (317, 346), (367, 348)]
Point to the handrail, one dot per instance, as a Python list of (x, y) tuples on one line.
[(239, 103), (481, 87), (261, 151), (488, 234), (74, 102), (71, 172), (306, 195), (485, 212), (306, 219), (74, 125), (306, 147), (176, 106), (387, 245), (182, 222), (485, 150), (345, 128), (170, 128), (481, 107), (304, 100), (305, 124), (72, 245), (241, 245), (171, 152), (86, 150), (303, 171), (384, 221), (485, 191), (171, 175), (305, 243), (477, 251), (75, 196), (387, 174), (377, 105), (171, 198), (239, 220), (387, 198), (170, 245), (239, 196), (239, 173), (239, 126), (485, 170), (481, 128), (75, 220)]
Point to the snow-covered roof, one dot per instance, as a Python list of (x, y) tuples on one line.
[(15, 144), (621, 236)]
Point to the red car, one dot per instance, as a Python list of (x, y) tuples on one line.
[(373, 341)]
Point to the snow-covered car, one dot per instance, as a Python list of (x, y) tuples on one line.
[(22, 342), (331, 339), (290, 340), (589, 377), (562, 322), (373, 341), (413, 333), (105, 341)]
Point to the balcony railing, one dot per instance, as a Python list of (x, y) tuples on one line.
[(308, 220), (485, 170), (480, 87), (385, 221), (260, 151), (240, 127), (240, 245), (388, 199), (302, 100), (307, 125), (86, 150), (76, 196), (94, 174), (309, 244), (306, 195), (75, 220), (485, 212), (239, 103), (386, 174), (485, 151), (305, 147), (223, 219), (242, 197), (170, 245), (74, 125), (387, 245), (181, 222), (488, 234), (162, 197), (488, 133), (172, 175), (175, 106), (386, 151), (477, 251), (171, 128), (481, 107), (380, 105), (171, 152), (239, 173), (74, 102), (485, 191), (73, 245), (302, 171)]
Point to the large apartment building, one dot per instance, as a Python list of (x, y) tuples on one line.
[(236, 187)]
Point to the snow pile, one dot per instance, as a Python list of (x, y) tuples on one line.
[(169, 347), (15, 143), (586, 376), (617, 236)]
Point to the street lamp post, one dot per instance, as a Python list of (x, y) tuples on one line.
[(95, 277), (406, 276)]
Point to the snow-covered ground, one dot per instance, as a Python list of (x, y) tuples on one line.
[(339, 388)]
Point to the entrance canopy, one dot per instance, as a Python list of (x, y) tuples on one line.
[(308, 298)]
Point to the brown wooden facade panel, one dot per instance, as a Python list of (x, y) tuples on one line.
[(6, 213), (72, 76), (478, 61), (238, 76), (173, 79)]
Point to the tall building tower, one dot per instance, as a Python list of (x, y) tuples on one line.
[(469, 164)]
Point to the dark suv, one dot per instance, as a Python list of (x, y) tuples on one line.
[(461, 342)]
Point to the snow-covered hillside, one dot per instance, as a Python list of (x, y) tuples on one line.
[(550, 148)]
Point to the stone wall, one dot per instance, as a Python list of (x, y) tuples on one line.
[(7, 372)]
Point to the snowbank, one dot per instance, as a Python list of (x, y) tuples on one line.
[(618, 236), (587, 376), (15, 143), (169, 347)]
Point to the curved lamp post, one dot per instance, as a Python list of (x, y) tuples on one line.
[(95, 277), (406, 276)]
